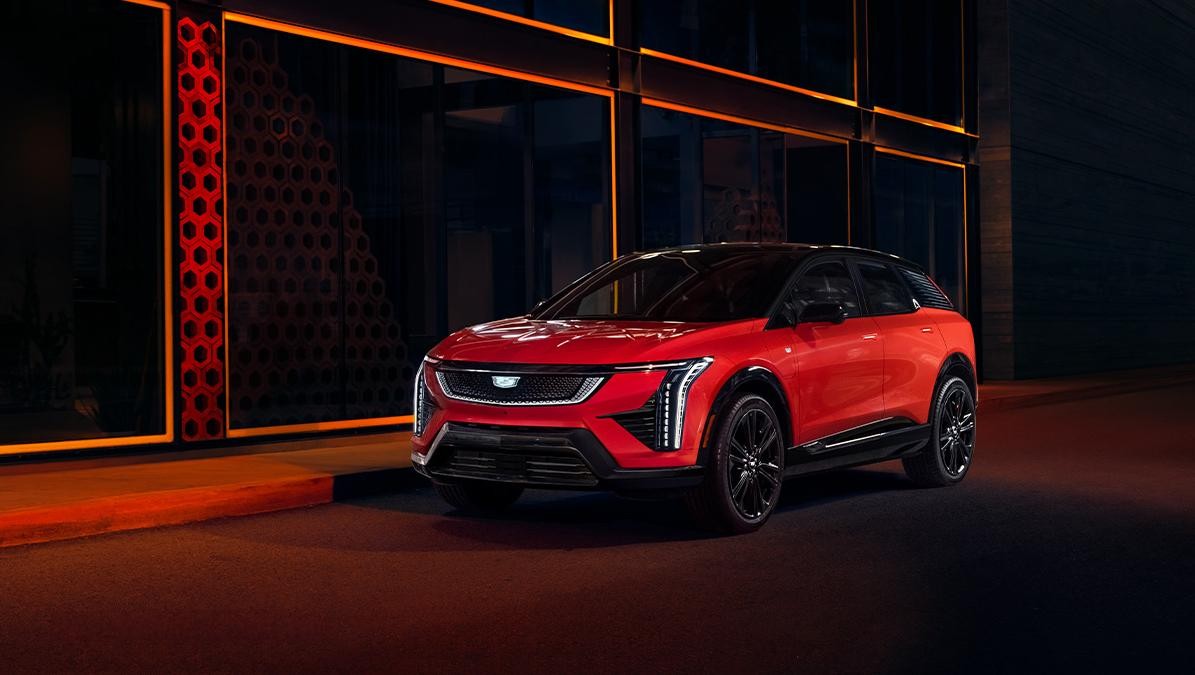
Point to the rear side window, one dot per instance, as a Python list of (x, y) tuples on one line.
[(885, 292), (828, 282), (926, 292)]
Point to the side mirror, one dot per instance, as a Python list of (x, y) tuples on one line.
[(823, 312)]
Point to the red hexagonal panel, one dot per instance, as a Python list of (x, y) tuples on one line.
[(313, 335), (200, 230)]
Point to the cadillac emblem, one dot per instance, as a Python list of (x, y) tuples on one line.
[(505, 381)]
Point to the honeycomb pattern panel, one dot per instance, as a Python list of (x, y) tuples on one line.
[(313, 336), (200, 252)]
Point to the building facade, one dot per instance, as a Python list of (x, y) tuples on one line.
[(1088, 186), (252, 218)]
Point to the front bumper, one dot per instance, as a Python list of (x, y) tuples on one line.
[(542, 457)]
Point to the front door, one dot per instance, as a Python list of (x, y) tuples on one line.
[(840, 367)]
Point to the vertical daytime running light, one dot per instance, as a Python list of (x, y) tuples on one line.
[(673, 396), (417, 409)]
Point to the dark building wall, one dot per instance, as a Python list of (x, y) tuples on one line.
[(995, 204), (1100, 192)]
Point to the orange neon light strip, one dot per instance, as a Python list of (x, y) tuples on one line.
[(167, 285), (744, 76), (964, 300), (227, 224), (921, 120), (923, 158), (581, 35), (855, 50), (411, 53), (246, 432), (309, 427), (613, 177), (156, 5), (660, 103)]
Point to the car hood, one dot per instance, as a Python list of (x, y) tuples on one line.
[(586, 342)]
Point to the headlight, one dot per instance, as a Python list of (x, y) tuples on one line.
[(421, 400), (672, 397)]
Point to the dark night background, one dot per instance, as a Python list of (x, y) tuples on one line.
[(234, 220)]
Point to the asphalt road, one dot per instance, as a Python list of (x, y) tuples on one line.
[(1070, 547)]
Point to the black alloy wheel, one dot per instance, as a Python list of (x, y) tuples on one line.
[(745, 469), (948, 455), (754, 472)]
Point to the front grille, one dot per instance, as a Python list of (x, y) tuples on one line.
[(521, 389), (640, 423), (560, 466)]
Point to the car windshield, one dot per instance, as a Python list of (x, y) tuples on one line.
[(692, 285)]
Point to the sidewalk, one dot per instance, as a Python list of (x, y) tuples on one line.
[(57, 499), (64, 499), (1001, 395)]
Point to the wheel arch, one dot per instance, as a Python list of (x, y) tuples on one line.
[(757, 380), (958, 365)]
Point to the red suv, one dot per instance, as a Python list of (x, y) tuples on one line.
[(712, 371)]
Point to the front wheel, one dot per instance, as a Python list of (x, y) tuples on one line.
[(479, 496), (745, 471), (947, 457)]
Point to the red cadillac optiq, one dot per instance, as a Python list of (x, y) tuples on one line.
[(712, 372)]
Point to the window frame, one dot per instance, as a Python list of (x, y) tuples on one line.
[(607, 39), (230, 17), (809, 260), (828, 260), (168, 266), (758, 125), (929, 121), (853, 101), (856, 261)]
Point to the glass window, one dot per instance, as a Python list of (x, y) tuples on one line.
[(705, 180), (807, 43), (816, 203), (916, 57), (924, 290), (81, 295), (886, 293), (378, 203), (827, 282), (587, 16), (919, 216), (697, 285)]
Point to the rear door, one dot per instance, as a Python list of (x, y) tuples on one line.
[(839, 375), (913, 348)]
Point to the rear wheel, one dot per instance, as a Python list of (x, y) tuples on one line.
[(746, 469), (947, 457), (479, 496)]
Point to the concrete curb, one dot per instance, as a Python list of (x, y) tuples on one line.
[(1012, 401), (176, 507)]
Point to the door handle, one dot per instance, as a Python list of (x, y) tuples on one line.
[(871, 336), (927, 329)]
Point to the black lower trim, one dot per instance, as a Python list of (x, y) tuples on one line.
[(877, 442), (570, 459), (859, 435)]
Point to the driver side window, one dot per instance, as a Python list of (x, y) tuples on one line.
[(827, 282)]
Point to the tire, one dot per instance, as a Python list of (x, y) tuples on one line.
[(948, 455), (479, 496), (743, 479)]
